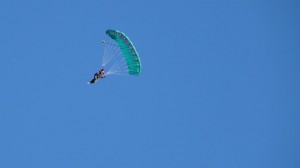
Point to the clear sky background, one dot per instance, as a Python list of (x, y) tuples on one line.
[(219, 88)]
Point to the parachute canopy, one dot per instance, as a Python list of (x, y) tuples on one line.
[(128, 51)]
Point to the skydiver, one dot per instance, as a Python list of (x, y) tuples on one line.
[(97, 75)]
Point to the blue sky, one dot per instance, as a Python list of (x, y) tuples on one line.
[(219, 86)]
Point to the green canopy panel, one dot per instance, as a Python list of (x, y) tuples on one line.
[(128, 50)]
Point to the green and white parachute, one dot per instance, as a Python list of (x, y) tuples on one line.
[(120, 54)]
